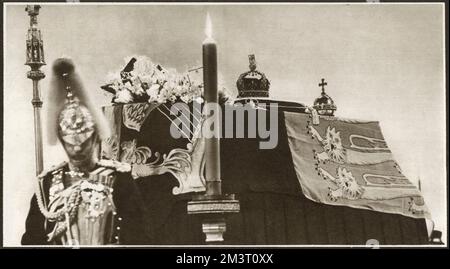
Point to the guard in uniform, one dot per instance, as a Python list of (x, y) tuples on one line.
[(83, 201)]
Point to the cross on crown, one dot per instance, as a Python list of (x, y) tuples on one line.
[(323, 84)]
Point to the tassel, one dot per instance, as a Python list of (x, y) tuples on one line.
[(314, 116)]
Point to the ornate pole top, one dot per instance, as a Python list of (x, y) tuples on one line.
[(35, 45), (33, 11)]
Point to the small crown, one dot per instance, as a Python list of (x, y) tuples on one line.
[(252, 83), (324, 104)]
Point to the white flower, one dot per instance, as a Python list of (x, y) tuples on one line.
[(138, 90), (143, 65), (159, 83), (147, 79), (168, 86), (123, 96), (160, 99), (173, 98), (116, 85), (185, 98), (127, 86), (152, 92), (162, 96), (199, 100), (179, 90)]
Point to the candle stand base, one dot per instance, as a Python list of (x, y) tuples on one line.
[(214, 230), (213, 209)]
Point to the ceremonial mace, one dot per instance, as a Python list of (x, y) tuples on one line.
[(35, 59)]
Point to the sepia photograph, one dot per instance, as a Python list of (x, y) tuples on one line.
[(185, 124)]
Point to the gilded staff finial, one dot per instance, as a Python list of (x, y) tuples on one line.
[(35, 45), (33, 11)]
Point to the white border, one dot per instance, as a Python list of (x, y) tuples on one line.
[(236, 4), (216, 3)]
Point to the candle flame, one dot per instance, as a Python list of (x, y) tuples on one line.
[(208, 27)]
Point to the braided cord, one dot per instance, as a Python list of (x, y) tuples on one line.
[(60, 213), (73, 203), (47, 214)]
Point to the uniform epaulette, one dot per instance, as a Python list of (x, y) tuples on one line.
[(52, 170), (118, 166)]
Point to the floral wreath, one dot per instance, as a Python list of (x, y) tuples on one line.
[(144, 81)]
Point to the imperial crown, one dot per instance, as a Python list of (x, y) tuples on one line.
[(253, 83), (324, 104)]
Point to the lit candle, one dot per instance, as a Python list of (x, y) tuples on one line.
[(212, 145)]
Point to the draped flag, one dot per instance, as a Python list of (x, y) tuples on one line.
[(347, 162)]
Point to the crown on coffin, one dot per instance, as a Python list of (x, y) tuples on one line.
[(324, 104), (252, 83)]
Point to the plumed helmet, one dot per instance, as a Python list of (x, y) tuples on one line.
[(72, 114)]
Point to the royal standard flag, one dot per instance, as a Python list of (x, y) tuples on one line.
[(348, 163)]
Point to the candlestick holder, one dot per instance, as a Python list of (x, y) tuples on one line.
[(213, 210)]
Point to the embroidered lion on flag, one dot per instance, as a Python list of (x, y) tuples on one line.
[(346, 185), (333, 149)]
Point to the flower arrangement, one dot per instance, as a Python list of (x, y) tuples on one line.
[(144, 81)]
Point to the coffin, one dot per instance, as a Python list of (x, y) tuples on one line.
[(283, 193)]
